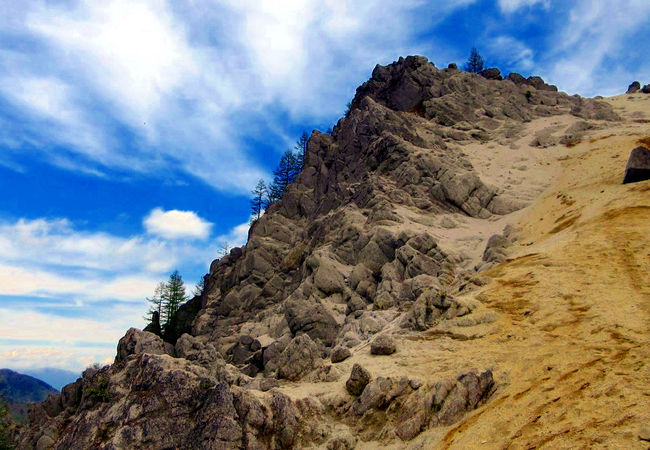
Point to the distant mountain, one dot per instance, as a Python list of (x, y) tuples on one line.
[(18, 390), (57, 378)]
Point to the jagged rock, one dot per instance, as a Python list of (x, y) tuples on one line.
[(340, 354), (243, 350), (300, 357), (491, 74), (465, 395), (638, 166), (539, 84), (516, 78), (359, 379), (135, 342), (333, 263), (495, 249), (428, 308), (634, 88), (312, 319), (190, 348), (380, 392), (383, 345), (326, 374)]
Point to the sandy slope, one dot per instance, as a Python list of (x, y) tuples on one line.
[(563, 323), (572, 346)]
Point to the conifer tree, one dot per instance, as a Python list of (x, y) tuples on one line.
[(258, 200), (167, 299), (301, 149), (283, 176), (173, 298), (475, 62)]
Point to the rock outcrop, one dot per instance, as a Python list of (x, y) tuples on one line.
[(634, 88), (345, 260), (638, 166)]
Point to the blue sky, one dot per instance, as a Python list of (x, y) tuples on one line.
[(131, 131)]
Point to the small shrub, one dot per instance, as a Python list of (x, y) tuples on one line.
[(99, 392)]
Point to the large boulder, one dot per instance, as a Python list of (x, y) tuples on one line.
[(359, 379), (646, 89), (633, 88), (383, 345), (638, 166), (311, 318), (340, 354), (301, 356), (491, 74), (135, 342)]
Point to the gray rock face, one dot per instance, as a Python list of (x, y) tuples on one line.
[(638, 166), (634, 88), (300, 357), (135, 342), (383, 345), (328, 266), (359, 379)]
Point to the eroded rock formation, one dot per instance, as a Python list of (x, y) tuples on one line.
[(341, 266)]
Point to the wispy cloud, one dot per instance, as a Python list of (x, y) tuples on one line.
[(512, 52), (151, 85), (509, 6)]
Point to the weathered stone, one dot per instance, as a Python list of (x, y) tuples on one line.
[(313, 319), (638, 166), (359, 379), (340, 354), (300, 357), (634, 88), (646, 89), (383, 345), (491, 74), (135, 342)]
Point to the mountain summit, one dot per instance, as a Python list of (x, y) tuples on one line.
[(424, 281)]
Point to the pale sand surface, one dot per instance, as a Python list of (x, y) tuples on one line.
[(569, 338)]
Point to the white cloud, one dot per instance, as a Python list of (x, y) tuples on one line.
[(21, 281), (509, 6), (189, 81), (175, 224), (511, 51), (591, 54), (30, 339)]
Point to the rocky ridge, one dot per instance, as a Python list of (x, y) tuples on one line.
[(343, 265)]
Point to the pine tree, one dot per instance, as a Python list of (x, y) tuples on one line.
[(199, 288), (287, 171), (173, 298), (301, 149), (475, 62), (156, 300), (167, 299), (258, 200)]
